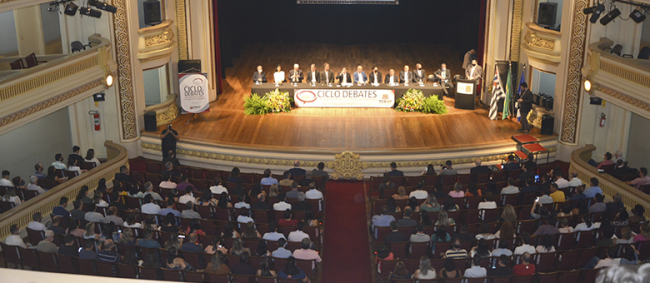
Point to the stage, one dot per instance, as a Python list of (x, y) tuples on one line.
[(378, 135)]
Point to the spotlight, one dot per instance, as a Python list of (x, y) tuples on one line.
[(109, 80), (102, 6), (70, 9), (610, 16), (595, 11), (637, 16), (587, 85)]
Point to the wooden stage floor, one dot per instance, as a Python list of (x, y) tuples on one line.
[(340, 129)]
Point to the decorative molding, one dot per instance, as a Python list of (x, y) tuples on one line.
[(630, 74), (515, 37), (13, 117), (347, 165), (181, 25), (623, 97), (167, 116), (534, 41), (166, 37), (124, 70), (156, 42), (574, 76), (155, 58)]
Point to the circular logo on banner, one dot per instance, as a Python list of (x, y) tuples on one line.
[(306, 96), (198, 81)]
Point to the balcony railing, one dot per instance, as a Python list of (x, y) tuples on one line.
[(22, 214), (156, 43), (542, 44), (609, 184)]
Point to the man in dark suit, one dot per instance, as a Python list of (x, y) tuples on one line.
[(395, 236), (262, 203), (327, 76), (419, 75), (474, 71), (344, 77), (313, 76), (527, 173), (511, 165), (75, 156), (394, 172), (391, 78), (124, 176), (296, 170), (443, 75), (375, 76), (259, 76), (479, 169), (295, 75), (406, 76), (469, 57), (525, 105)]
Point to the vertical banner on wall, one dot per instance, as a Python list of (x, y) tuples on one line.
[(194, 92)]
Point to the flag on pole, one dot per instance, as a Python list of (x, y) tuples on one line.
[(497, 93), (508, 101), (521, 81)]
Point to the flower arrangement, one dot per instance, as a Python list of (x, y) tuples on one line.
[(413, 100), (273, 102)]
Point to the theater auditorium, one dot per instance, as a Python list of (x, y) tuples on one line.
[(282, 141)]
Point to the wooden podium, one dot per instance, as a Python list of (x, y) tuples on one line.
[(465, 94)]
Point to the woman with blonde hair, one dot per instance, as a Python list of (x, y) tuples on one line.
[(507, 231), (128, 238), (173, 242), (627, 236), (218, 265), (457, 192), (401, 194), (274, 191), (425, 271), (90, 231), (250, 232), (508, 214), (430, 204), (443, 219), (238, 247), (645, 233)]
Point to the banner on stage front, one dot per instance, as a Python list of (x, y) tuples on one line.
[(376, 98), (194, 92)]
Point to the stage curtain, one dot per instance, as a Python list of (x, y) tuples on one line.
[(217, 47)]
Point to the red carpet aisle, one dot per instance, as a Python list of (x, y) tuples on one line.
[(346, 247)]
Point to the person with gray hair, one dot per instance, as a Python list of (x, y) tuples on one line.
[(636, 273), (189, 211), (296, 170), (148, 188), (301, 205), (479, 169), (46, 244), (36, 223), (574, 181), (33, 185)]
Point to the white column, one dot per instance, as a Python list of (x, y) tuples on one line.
[(200, 34), (29, 28)]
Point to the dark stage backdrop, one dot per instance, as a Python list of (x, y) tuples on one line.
[(455, 23)]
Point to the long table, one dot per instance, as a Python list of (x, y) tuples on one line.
[(427, 90)]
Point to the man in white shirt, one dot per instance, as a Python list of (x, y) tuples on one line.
[(502, 250), (5, 179), (611, 259), (187, 196), (281, 252), (268, 178), (510, 189), (420, 236), (33, 185), (476, 271), (313, 76), (242, 202), (167, 181), (419, 193), (560, 181), (525, 247), (306, 253), (148, 187), (189, 212), (281, 205), (149, 207), (14, 239), (58, 164), (489, 202), (272, 234), (574, 181), (36, 224), (545, 198), (298, 234), (217, 189), (244, 216), (313, 193)]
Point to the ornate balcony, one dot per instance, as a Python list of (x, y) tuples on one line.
[(542, 45), (156, 44)]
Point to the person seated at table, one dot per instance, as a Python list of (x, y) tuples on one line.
[(375, 76), (278, 76), (419, 75), (296, 75), (312, 75), (391, 78), (327, 76), (406, 76), (443, 75), (360, 76), (259, 76), (344, 77)]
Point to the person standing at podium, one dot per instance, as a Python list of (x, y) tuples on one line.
[(474, 72), (259, 76), (313, 76), (525, 104), (327, 76), (419, 76), (344, 77), (375, 76), (360, 76), (278, 76), (391, 78), (296, 75), (406, 76)]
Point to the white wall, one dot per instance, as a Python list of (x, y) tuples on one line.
[(152, 91), (637, 148), (51, 27), (8, 35), (543, 83), (36, 142)]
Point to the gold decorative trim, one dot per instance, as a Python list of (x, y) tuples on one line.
[(167, 116), (623, 97), (574, 81), (515, 38), (347, 165), (164, 38), (47, 78), (124, 70), (533, 40), (13, 117), (181, 24), (624, 73), (164, 56)]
